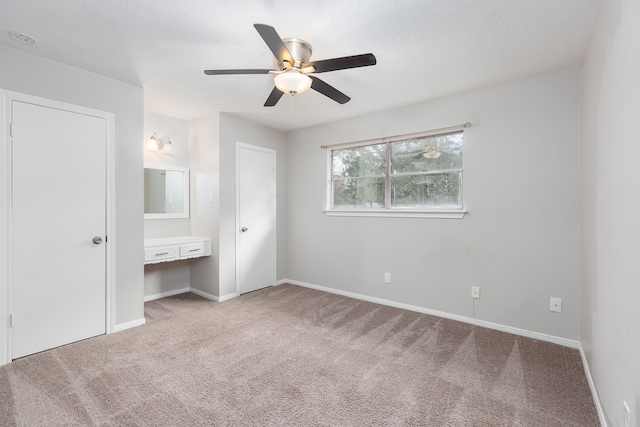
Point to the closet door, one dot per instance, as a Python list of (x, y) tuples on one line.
[(58, 254), (255, 217)]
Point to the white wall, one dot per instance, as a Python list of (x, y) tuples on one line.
[(610, 319), (33, 75), (234, 129), (519, 241), (166, 277), (204, 163)]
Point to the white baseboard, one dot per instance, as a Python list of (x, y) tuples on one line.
[(227, 297), (166, 294), (204, 294), (193, 290), (128, 325), (504, 328), (592, 387)]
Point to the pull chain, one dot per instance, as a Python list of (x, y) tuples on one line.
[(292, 106)]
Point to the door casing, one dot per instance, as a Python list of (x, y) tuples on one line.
[(5, 211)]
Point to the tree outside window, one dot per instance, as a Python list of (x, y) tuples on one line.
[(412, 174)]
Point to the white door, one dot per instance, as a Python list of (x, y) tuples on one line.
[(256, 217), (59, 200)]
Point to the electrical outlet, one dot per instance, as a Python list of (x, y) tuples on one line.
[(555, 305), (387, 277), (475, 292), (627, 414)]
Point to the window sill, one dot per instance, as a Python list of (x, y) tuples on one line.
[(395, 213)]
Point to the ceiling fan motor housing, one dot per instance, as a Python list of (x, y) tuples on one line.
[(300, 51)]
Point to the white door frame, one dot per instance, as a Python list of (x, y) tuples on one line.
[(237, 224), (6, 220)]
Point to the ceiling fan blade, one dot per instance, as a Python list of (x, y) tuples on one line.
[(239, 71), (343, 63), (328, 90), (274, 97), (275, 43)]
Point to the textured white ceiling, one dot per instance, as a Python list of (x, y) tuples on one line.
[(426, 49)]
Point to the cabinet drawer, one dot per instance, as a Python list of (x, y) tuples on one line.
[(192, 249), (160, 253), (175, 249)]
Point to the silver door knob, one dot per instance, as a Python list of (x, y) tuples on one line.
[(97, 240), (243, 229)]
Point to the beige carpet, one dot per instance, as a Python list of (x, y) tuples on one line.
[(291, 356)]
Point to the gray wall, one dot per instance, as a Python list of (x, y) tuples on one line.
[(519, 241), (33, 75), (235, 129), (610, 319)]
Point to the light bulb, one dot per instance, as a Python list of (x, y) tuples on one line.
[(166, 146), (152, 142)]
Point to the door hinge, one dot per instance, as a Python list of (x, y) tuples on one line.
[(11, 130), (11, 320)]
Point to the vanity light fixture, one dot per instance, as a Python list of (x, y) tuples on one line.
[(163, 144)]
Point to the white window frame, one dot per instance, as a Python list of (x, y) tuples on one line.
[(443, 213)]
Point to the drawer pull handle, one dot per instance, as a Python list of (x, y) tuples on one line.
[(195, 250), (162, 253)]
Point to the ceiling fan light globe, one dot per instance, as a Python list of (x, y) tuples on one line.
[(292, 82), (431, 154)]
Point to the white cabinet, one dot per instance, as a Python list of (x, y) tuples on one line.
[(175, 248)]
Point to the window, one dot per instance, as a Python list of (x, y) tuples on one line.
[(417, 174)]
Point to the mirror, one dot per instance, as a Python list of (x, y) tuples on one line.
[(166, 192)]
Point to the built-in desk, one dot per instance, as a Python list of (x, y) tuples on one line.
[(175, 248)]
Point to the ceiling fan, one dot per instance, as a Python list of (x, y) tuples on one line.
[(294, 66), (429, 152)]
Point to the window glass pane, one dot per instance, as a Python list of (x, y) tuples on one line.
[(359, 193), (431, 153), (359, 161), (424, 191)]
